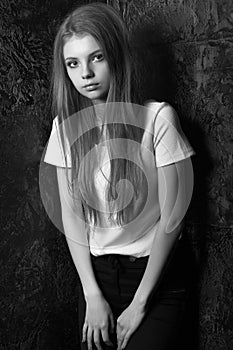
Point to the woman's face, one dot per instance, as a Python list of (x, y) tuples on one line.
[(87, 67)]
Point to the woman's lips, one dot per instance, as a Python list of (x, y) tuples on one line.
[(91, 87)]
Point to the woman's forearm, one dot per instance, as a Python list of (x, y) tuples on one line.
[(76, 235), (161, 248), (175, 183), (80, 253)]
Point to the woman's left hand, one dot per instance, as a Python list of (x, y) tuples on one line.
[(128, 322)]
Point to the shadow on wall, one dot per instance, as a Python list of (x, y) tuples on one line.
[(157, 63)]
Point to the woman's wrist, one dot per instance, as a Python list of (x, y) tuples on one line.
[(92, 294), (140, 300)]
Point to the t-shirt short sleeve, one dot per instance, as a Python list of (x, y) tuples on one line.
[(170, 143), (55, 153)]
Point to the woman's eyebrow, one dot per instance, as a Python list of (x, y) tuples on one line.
[(91, 54)]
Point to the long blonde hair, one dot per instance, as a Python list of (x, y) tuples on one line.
[(105, 24)]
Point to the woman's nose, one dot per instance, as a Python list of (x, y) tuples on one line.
[(87, 72)]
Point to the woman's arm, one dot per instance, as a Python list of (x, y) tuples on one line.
[(175, 185), (76, 236), (175, 182), (99, 318)]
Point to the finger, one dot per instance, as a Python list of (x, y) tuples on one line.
[(97, 339), (84, 333), (120, 339), (119, 331), (105, 337), (125, 341), (89, 338), (119, 342)]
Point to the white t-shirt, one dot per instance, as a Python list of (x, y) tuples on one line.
[(165, 143)]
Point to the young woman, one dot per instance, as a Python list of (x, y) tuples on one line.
[(124, 176)]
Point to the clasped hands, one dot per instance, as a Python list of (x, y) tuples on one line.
[(99, 321)]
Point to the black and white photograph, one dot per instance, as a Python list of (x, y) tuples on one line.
[(116, 175)]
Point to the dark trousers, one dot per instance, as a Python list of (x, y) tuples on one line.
[(119, 276)]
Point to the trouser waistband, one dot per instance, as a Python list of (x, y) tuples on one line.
[(117, 260)]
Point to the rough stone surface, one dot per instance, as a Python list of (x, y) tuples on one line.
[(185, 50)]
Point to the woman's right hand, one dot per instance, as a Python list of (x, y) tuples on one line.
[(98, 322)]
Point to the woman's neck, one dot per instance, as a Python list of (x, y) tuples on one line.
[(99, 109)]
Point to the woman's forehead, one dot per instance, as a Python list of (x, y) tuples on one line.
[(80, 46)]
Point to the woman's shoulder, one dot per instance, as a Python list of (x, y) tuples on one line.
[(164, 110), (56, 121), (153, 103), (156, 106), (55, 125)]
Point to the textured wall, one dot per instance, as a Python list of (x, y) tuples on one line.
[(186, 50), (37, 278)]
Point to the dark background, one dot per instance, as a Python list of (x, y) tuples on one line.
[(185, 51)]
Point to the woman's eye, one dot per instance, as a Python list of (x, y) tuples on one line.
[(72, 64), (98, 57)]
